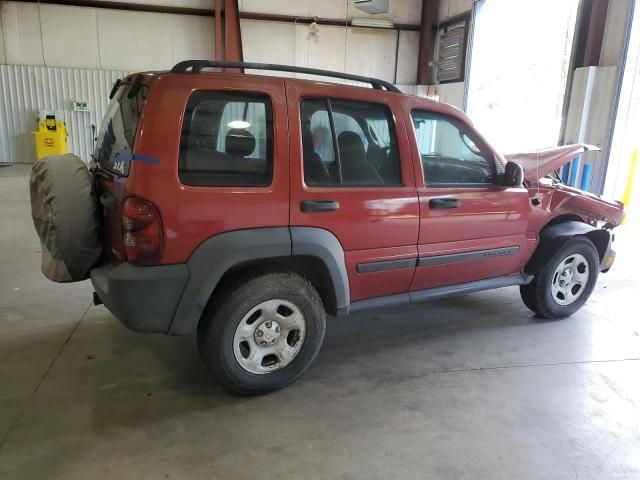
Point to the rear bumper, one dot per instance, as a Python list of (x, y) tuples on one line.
[(144, 299)]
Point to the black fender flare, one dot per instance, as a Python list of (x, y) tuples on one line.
[(220, 253), (317, 242), (553, 237)]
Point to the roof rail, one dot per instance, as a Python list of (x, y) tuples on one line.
[(195, 66)]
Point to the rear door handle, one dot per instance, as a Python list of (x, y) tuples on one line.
[(308, 206), (443, 203)]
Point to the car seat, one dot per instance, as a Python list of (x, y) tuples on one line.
[(355, 168)]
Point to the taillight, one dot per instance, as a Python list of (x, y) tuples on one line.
[(141, 231)]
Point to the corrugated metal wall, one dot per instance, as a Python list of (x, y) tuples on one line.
[(26, 90)]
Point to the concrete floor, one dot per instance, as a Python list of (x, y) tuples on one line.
[(466, 388)]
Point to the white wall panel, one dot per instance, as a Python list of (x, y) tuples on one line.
[(372, 52), (209, 4), (143, 36), (267, 42), (451, 8), (416, 90), (368, 51), (191, 37), (24, 91), (80, 37), (21, 28), (70, 36), (451, 93), (298, 8), (325, 50), (407, 73)]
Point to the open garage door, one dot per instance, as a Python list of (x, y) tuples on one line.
[(518, 73), (623, 173)]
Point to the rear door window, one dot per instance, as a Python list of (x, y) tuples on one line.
[(349, 143), (227, 140), (114, 147)]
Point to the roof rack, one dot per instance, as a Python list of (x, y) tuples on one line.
[(195, 66)]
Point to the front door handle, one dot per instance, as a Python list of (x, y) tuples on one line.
[(307, 206), (443, 203)]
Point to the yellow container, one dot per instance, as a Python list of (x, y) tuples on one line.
[(628, 190), (51, 138)]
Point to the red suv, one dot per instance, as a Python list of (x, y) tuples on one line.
[(247, 207)]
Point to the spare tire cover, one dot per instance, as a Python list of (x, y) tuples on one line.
[(65, 213)]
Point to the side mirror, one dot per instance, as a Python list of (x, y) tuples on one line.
[(513, 175)]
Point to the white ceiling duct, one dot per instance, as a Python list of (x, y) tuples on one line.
[(372, 6)]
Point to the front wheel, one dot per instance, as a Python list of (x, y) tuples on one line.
[(263, 333), (566, 282)]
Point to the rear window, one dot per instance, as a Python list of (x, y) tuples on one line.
[(114, 147), (227, 140)]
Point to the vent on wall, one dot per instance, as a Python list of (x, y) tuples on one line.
[(372, 6), (451, 52)]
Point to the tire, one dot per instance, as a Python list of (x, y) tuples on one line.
[(66, 216), (281, 310), (566, 282)]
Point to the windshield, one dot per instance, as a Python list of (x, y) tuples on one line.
[(114, 148)]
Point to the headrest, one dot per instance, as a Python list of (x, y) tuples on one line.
[(239, 142), (202, 122), (307, 138), (351, 145)]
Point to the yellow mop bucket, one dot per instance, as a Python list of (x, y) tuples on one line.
[(51, 137)]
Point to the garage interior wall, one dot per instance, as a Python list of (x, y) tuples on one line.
[(27, 90), (452, 93), (110, 40)]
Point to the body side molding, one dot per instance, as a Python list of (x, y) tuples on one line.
[(384, 265), (440, 292), (467, 256)]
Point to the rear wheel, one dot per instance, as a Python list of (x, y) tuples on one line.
[(566, 282), (263, 333)]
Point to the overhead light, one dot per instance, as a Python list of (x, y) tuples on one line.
[(238, 124), (371, 22)]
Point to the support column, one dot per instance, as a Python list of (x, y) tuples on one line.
[(593, 16), (228, 38), (427, 41)]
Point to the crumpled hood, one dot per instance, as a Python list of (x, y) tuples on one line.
[(542, 162)]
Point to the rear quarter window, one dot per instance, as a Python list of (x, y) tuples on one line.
[(114, 147), (227, 140)]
